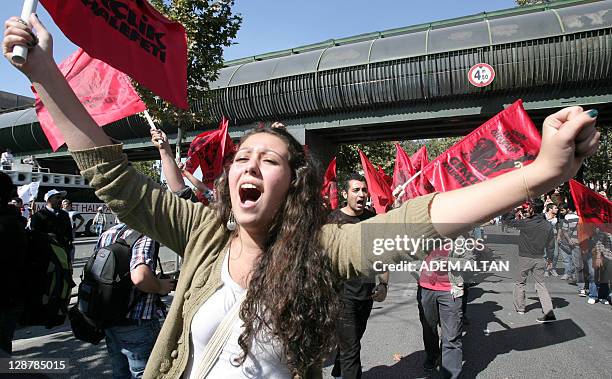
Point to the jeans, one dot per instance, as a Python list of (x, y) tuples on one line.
[(568, 261), (440, 307), (99, 229), (586, 269), (351, 327), (535, 267), (8, 323), (130, 346)]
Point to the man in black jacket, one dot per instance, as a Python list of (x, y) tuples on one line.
[(12, 260), (536, 236), (53, 220)]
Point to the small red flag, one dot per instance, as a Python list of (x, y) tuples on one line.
[(487, 152), (209, 151), (106, 93), (131, 36), (591, 206), (419, 159), (403, 169), (380, 191), (386, 178), (330, 185)]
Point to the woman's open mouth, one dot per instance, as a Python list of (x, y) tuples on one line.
[(249, 195)]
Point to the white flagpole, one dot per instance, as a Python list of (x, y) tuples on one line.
[(20, 52), (403, 186)]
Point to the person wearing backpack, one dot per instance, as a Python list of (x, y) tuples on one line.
[(130, 341), (12, 259)]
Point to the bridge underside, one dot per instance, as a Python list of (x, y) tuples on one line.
[(394, 85)]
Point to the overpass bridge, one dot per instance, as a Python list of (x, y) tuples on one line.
[(405, 83)]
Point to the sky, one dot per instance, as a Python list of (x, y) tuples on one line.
[(272, 25)]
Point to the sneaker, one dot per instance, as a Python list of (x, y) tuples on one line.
[(564, 277), (554, 273), (604, 301), (520, 312), (546, 273), (547, 318), (591, 301), (582, 293)]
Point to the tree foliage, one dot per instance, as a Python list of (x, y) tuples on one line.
[(152, 169), (210, 26), (597, 168)]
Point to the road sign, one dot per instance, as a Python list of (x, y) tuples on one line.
[(481, 75)]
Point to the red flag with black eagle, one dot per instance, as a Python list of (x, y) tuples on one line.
[(106, 94), (487, 152), (131, 36), (208, 151), (330, 185), (380, 191), (591, 206)]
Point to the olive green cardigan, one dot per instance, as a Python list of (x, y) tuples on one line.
[(193, 231)]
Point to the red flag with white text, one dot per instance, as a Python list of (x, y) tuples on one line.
[(487, 152), (591, 206), (133, 37), (330, 185), (380, 191), (106, 93)]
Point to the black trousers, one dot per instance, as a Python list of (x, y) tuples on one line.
[(439, 307), (351, 327)]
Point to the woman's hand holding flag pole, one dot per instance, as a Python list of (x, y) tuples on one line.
[(20, 52)]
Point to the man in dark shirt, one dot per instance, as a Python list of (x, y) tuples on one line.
[(13, 260), (358, 294), (536, 235), (53, 220)]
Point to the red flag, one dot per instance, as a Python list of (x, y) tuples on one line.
[(131, 36), (419, 159), (380, 191), (106, 93), (591, 206), (386, 178), (487, 152), (330, 185), (209, 151), (403, 169)]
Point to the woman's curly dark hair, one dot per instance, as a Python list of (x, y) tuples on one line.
[(292, 294)]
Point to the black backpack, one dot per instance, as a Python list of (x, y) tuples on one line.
[(48, 290), (104, 297)]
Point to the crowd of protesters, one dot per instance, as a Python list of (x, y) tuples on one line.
[(258, 290)]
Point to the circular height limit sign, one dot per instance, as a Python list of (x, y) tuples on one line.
[(481, 75)]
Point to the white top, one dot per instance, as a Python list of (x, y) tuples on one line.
[(265, 359)]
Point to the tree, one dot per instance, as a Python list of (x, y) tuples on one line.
[(152, 169), (210, 26), (597, 167)]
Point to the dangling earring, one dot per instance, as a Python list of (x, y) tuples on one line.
[(231, 222)]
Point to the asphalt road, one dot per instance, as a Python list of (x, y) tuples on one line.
[(498, 343)]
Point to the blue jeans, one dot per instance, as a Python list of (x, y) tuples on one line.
[(587, 267), (99, 229), (130, 346)]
